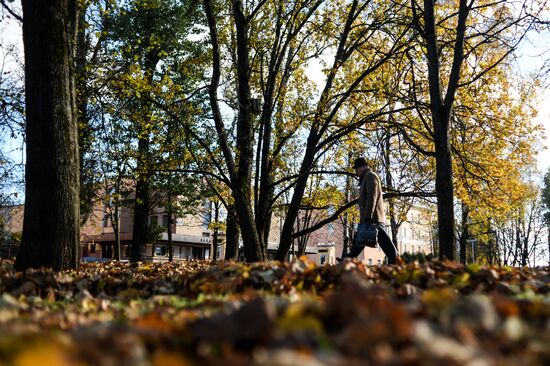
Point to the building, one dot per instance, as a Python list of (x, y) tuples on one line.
[(11, 227), (415, 235), (191, 236)]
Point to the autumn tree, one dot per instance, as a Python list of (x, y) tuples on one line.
[(520, 237), (267, 55), (153, 66), (465, 46), (51, 222)]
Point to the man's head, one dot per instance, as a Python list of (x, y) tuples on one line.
[(360, 165)]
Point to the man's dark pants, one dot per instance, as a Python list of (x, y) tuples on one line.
[(384, 242)]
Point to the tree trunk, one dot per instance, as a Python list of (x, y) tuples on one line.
[(116, 228), (142, 203), (444, 191), (440, 108), (231, 237), (389, 184), (169, 234), (51, 229), (347, 225), (253, 249), (294, 206), (215, 241), (464, 234)]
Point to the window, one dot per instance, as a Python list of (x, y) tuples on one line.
[(92, 248), (153, 220), (207, 214), (370, 261), (412, 248), (165, 219), (322, 259), (160, 250), (106, 221), (379, 262)]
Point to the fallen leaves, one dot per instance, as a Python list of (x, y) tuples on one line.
[(274, 313)]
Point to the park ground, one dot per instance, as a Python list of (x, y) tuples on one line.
[(203, 313)]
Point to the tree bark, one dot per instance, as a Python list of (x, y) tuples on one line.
[(294, 206), (231, 237), (394, 227), (170, 221), (51, 229), (440, 108), (142, 203), (216, 237), (116, 228), (465, 234), (253, 249)]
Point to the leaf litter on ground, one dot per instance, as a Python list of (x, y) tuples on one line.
[(226, 313)]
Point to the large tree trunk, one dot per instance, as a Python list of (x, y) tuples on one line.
[(441, 115), (253, 250), (231, 237), (51, 229), (141, 206), (444, 191)]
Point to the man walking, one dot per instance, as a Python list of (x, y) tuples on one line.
[(371, 209)]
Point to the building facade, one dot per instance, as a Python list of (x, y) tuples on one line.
[(192, 236)]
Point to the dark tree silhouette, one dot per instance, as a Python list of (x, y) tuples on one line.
[(51, 221)]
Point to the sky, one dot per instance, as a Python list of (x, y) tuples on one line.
[(533, 52)]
